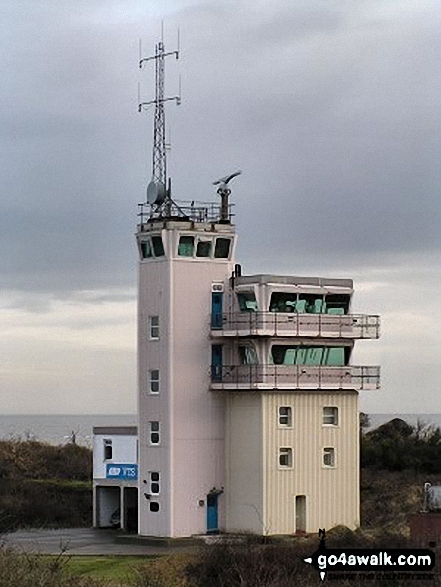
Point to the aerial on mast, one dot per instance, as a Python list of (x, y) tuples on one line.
[(158, 192)]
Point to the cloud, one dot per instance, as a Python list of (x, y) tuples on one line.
[(330, 108)]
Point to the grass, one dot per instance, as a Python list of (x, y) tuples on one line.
[(116, 568)]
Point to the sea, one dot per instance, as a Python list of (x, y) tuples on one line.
[(62, 429), (59, 429)]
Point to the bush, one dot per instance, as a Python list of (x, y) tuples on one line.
[(44, 485), (397, 446), (20, 570)]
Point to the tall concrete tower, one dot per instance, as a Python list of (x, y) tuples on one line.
[(185, 262)]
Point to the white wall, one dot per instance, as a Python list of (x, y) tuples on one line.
[(123, 449)]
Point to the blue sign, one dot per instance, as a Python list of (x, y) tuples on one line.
[(126, 471)]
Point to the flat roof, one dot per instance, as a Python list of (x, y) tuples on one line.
[(121, 430), (264, 278)]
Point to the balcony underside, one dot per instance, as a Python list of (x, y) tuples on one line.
[(294, 378), (274, 324)]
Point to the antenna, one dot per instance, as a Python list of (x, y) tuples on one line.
[(158, 193), (224, 191)]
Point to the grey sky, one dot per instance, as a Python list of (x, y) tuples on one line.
[(331, 109)]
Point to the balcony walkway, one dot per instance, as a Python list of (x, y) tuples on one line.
[(245, 324), (294, 377)]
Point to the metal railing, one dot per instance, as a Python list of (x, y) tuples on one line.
[(292, 324), (200, 212), (294, 377)]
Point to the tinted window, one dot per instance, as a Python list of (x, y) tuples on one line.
[(158, 247), (283, 302), (222, 248), (203, 249), (247, 301), (146, 249), (186, 246), (154, 506), (337, 304), (309, 355)]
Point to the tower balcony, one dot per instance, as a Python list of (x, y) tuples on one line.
[(246, 324), (294, 377)]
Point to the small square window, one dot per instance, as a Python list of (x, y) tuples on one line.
[(203, 248), (222, 248), (330, 416), (108, 449), (285, 416), (154, 381), (158, 246), (154, 506), (285, 457), (154, 327), (146, 249), (329, 457), (154, 433)]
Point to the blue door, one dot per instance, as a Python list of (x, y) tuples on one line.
[(212, 518), (217, 300), (216, 362)]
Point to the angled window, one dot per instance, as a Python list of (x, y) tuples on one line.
[(222, 248), (283, 302), (154, 482), (247, 301), (285, 457), (158, 246), (330, 416), (108, 449), (310, 304), (203, 248), (186, 246), (154, 327), (337, 304), (329, 456), (154, 433), (146, 249), (285, 416), (248, 355), (154, 506), (154, 381)]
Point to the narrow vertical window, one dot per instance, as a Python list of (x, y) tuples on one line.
[(154, 381), (154, 433), (146, 249), (285, 457), (154, 327), (108, 449), (222, 248), (158, 246), (154, 483), (330, 416), (329, 456), (285, 416)]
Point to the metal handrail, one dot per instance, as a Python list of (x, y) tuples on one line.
[(281, 323), (297, 376)]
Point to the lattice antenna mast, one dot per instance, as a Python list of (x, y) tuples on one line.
[(159, 191)]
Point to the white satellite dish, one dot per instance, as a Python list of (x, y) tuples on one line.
[(155, 192)]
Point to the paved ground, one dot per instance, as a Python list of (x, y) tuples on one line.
[(78, 541)]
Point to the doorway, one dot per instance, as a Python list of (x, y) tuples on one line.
[(212, 513), (300, 514), (130, 520)]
